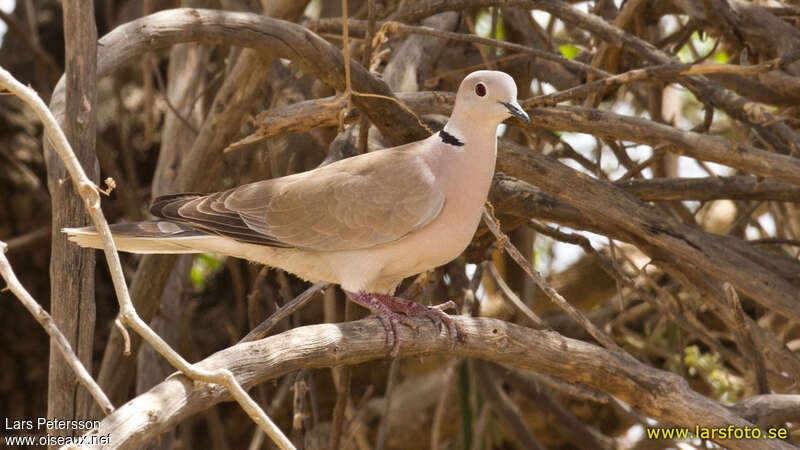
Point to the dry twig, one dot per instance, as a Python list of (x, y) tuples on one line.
[(91, 197)]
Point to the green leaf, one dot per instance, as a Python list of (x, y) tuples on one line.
[(203, 267), (721, 57), (569, 51)]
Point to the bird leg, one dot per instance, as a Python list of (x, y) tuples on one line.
[(392, 310), (389, 319), (410, 308)]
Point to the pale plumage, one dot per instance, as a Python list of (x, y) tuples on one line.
[(365, 222)]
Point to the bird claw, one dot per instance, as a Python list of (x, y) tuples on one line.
[(389, 322), (392, 310), (438, 315), (435, 313)]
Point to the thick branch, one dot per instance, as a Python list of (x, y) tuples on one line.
[(778, 134), (659, 394), (304, 116), (286, 39), (72, 301), (724, 258), (613, 126), (766, 410), (704, 189)]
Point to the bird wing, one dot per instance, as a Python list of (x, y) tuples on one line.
[(356, 203)]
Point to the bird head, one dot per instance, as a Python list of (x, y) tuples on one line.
[(490, 94)]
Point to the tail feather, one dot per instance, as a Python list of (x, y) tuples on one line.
[(159, 203), (158, 236)]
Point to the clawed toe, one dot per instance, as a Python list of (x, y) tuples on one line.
[(392, 310), (445, 306)]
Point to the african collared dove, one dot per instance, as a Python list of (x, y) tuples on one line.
[(365, 222)]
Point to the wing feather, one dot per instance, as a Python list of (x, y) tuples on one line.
[(361, 202)]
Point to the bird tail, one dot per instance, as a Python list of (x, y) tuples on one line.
[(156, 236)]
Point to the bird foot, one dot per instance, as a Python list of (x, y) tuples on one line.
[(392, 310), (435, 313)]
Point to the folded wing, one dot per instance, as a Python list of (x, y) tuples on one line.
[(355, 203)]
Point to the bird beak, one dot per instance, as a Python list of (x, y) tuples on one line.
[(516, 111)]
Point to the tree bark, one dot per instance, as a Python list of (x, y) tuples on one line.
[(72, 268)]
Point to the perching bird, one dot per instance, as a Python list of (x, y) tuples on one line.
[(365, 222)]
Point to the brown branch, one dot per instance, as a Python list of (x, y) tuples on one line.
[(721, 257), (29, 238), (72, 300), (780, 136), (45, 59), (574, 314), (705, 189), (611, 126), (520, 199), (572, 428), (304, 116), (325, 112), (397, 27), (786, 363), (287, 40), (659, 394), (502, 405), (771, 409), (285, 311), (745, 339), (666, 72), (514, 299)]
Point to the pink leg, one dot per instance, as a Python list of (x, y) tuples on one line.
[(388, 318), (392, 310), (413, 309)]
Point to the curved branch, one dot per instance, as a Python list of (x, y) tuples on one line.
[(752, 272), (286, 39), (657, 393), (778, 134), (606, 124), (128, 42), (309, 114)]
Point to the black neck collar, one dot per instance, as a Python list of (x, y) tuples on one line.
[(448, 138)]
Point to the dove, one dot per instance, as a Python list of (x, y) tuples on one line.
[(364, 223)]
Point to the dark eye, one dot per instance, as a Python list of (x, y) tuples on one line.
[(480, 89)]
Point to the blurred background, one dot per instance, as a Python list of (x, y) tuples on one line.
[(152, 113)]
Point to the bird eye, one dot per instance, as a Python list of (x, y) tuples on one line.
[(480, 90)]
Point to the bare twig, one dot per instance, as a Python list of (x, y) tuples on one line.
[(46, 322), (503, 407), (31, 41), (512, 297), (438, 414), (745, 339), (391, 381), (285, 311), (576, 315), (91, 197), (667, 72), (28, 238), (397, 27), (342, 379)]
